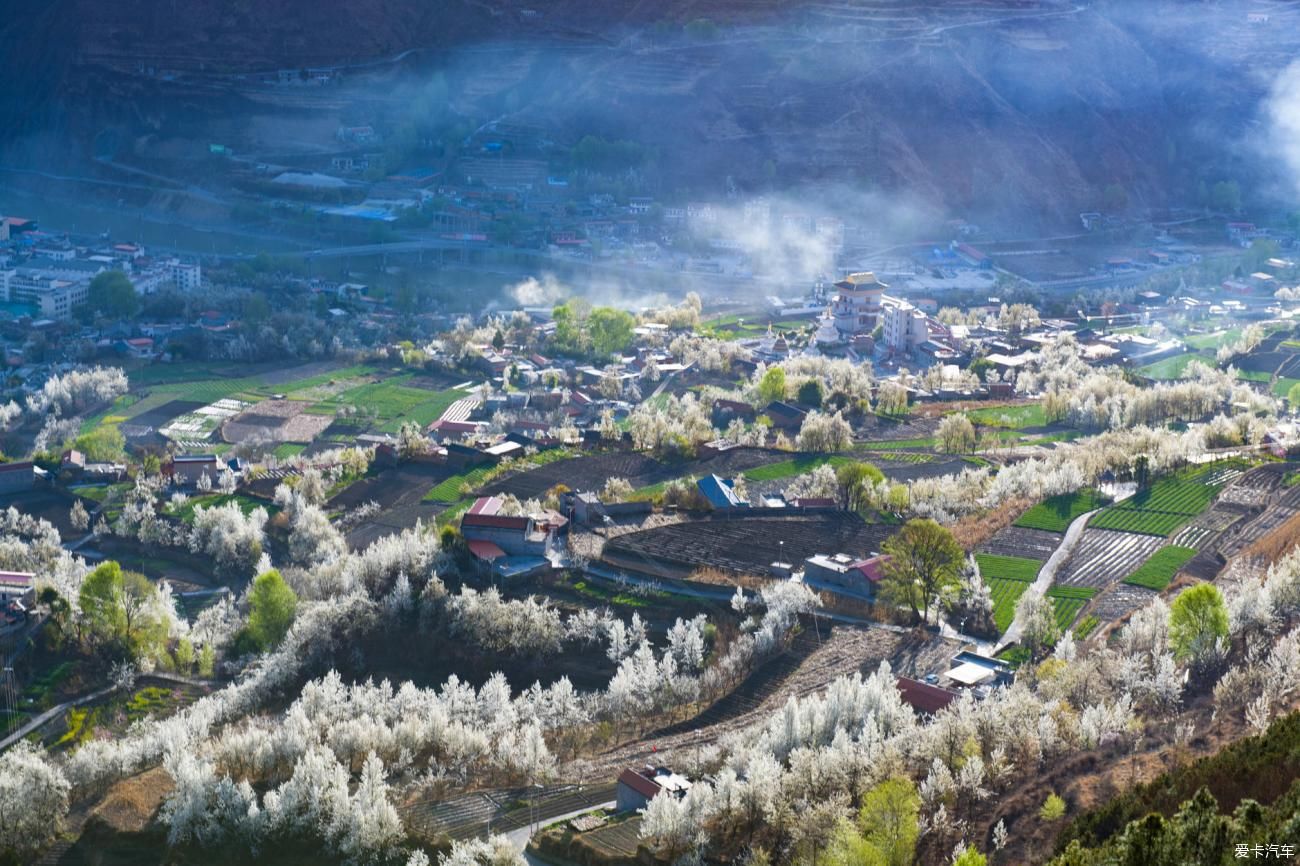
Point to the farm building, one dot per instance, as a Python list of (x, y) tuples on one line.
[(17, 586), (923, 697), (784, 416), (491, 535), (189, 468), (720, 492), (636, 788), (972, 670), (859, 577), (16, 477)]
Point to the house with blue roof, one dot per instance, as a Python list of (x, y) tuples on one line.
[(720, 492)]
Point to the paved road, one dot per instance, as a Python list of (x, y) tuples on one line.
[(1047, 575), (50, 714)]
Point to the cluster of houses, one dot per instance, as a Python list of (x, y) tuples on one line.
[(49, 276)]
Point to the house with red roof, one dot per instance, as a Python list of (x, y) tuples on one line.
[(923, 697), (856, 576)]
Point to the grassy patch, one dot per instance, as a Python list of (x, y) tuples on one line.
[(453, 488), (1282, 386), (1213, 341), (793, 467), (1254, 376), (1174, 367), (185, 513), (594, 591), (43, 687), (1160, 568), (1057, 513), (286, 450), (1015, 417)]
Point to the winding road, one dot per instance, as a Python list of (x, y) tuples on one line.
[(1047, 575)]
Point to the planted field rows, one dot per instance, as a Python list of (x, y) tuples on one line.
[(1012, 567), (1007, 577), (745, 544), (1160, 568), (1006, 592), (1056, 514), (1164, 506), (1067, 602), (1018, 541), (1104, 556)]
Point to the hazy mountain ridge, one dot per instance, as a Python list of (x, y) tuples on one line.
[(987, 107)]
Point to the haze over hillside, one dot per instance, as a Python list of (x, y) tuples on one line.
[(1004, 110)]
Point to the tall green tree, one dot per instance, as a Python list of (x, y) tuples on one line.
[(855, 482), (101, 602), (772, 386), (272, 605), (889, 820), (923, 567), (1198, 620), (610, 330), (113, 294)]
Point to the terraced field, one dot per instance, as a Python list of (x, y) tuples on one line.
[(1067, 602), (1056, 514), (744, 544), (1104, 556), (1160, 568), (1010, 567), (1018, 541), (1163, 507), (1006, 592)]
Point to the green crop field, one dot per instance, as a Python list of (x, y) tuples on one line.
[(1006, 592), (1027, 415), (1086, 626), (1172, 495), (1161, 567), (1010, 567), (1067, 601), (1165, 505), (1057, 513)]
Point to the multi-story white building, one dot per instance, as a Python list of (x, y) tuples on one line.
[(856, 304), (187, 277), (53, 296), (904, 326)]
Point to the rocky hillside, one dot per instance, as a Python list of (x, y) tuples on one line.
[(996, 108)]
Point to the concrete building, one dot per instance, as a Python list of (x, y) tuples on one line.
[(186, 276), (17, 586), (856, 304), (54, 296), (491, 535), (17, 477), (904, 326), (858, 577)]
